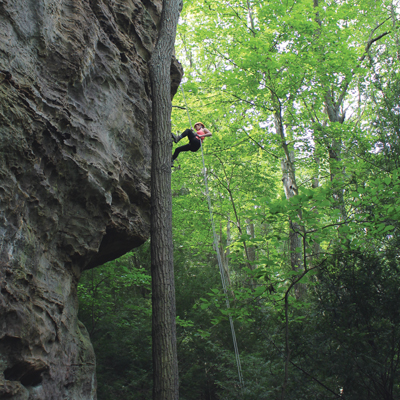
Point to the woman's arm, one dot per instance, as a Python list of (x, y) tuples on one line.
[(207, 133)]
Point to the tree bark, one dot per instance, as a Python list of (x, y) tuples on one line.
[(290, 188), (225, 253), (251, 249), (165, 362)]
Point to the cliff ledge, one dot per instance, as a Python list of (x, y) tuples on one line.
[(75, 157)]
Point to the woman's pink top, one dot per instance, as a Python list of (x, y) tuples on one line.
[(200, 132)]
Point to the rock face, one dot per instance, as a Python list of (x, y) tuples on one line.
[(75, 156)]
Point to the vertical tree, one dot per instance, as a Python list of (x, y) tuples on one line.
[(165, 363)]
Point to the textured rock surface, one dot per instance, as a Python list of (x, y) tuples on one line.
[(75, 148)]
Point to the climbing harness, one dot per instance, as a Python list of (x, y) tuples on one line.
[(221, 269)]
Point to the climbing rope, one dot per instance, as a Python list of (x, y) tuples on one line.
[(221, 269), (187, 110)]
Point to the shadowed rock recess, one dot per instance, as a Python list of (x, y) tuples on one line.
[(75, 156)]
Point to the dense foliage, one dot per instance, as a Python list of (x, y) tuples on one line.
[(302, 98)]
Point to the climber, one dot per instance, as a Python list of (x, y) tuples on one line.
[(195, 139)]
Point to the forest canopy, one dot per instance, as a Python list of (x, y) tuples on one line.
[(302, 99)]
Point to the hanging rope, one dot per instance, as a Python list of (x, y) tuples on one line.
[(221, 269), (187, 110)]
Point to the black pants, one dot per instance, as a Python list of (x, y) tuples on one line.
[(194, 143)]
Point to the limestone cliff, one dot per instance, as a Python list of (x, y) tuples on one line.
[(75, 155)]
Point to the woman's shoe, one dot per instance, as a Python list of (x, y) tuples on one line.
[(176, 138)]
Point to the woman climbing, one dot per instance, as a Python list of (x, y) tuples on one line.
[(195, 139)]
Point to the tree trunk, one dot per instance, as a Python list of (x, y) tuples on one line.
[(335, 162), (225, 254), (333, 105), (251, 249), (295, 239), (165, 362), (316, 248), (294, 228), (290, 188)]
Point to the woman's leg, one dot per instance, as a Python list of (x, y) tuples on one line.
[(189, 134), (186, 133), (193, 145), (186, 147)]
